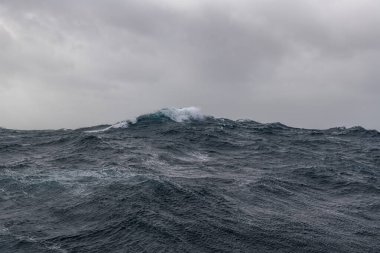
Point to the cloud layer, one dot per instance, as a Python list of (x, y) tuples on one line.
[(78, 63)]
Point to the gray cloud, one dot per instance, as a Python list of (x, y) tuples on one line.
[(79, 63)]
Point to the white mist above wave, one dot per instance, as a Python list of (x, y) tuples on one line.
[(175, 114), (183, 114)]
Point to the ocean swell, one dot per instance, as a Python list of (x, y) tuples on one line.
[(178, 181)]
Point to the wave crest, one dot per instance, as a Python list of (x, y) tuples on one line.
[(175, 114), (182, 114)]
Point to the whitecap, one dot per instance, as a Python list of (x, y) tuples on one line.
[(183, 114)]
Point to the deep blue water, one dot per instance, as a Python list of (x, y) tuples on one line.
[(175, 181)]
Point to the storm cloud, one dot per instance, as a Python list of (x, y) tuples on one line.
[(305, 63)]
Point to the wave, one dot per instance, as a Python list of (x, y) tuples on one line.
[(178, 115), (177, 180), (194, 114), (356, 130)]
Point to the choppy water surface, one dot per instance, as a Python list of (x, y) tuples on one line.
[(176, 181)]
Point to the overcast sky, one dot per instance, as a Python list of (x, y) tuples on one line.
[(74, 63)]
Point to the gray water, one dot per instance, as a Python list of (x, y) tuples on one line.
[(190, 184)]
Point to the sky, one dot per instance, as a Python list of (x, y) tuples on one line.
[(76, 63)]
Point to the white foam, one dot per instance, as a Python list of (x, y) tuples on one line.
[(56, 248), (121, 124), (200, 156), (183, 114)]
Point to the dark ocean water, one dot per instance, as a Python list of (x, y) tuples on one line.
[(175, 181)]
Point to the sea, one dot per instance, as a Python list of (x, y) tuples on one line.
[(176, 180)]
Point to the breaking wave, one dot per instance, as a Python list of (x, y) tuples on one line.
[(174, 114)]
